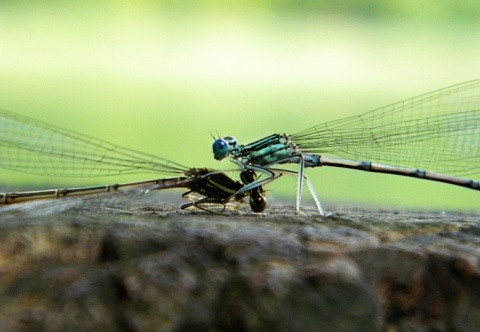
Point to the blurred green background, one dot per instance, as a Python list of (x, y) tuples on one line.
[(161, 76)]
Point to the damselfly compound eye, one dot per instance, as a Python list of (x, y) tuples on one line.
[(220, 149), (222, 146)]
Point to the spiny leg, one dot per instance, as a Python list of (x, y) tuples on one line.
[(302, 177)]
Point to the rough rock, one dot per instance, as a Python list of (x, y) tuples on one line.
[(150, 268)]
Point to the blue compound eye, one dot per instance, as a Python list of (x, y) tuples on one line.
[(220, 149)]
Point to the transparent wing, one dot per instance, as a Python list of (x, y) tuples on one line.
[(31, 146), (438, 131)]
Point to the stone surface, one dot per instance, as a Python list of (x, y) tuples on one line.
[(148, 268)]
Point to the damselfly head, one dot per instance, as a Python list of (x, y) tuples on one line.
[(257, 202), (221, 147)]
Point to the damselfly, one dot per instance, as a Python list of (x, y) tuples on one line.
[(31, 146), (434, 136)]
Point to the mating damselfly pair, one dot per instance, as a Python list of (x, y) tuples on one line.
[(434, 136)]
